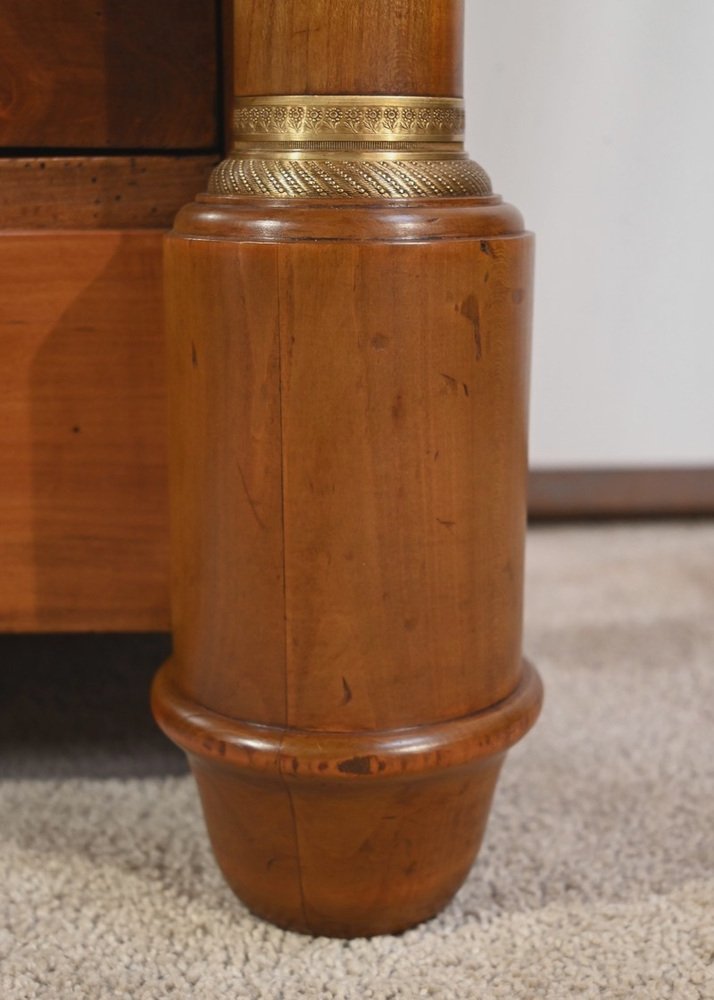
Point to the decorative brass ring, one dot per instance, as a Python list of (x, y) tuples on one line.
[(299, 117), (360, 149), (347, 146)]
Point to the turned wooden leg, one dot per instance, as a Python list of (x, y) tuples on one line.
[(349, 321)]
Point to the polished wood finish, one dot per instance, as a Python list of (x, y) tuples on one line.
[(348, 385), (346, 834), (83, 520), (644, 492), (98, 192), (323, 433), (349, 388), (101, 73), (83, 505), (423, 220), (343, 47)]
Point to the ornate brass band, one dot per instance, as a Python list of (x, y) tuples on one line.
[(349, 178), (426, 119), (349, 146)]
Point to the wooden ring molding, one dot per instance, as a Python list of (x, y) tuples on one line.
[(416, 751)]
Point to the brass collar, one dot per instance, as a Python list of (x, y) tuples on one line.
[(364, 146)]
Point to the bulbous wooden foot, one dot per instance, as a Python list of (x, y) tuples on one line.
[(346, 834)]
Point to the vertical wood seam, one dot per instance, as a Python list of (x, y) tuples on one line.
[(286, 719), (281, 419)]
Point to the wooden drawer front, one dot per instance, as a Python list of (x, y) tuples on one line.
[(128, 74), (83, 520)]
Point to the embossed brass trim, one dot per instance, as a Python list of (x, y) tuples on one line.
[(350, 178), (335, 146), (359, 150), (427, 119)]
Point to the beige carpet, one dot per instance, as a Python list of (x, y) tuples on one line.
[(596, 878)]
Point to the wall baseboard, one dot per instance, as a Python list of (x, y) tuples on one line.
[(621, 492)]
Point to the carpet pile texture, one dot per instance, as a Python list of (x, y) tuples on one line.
[(596, 878)]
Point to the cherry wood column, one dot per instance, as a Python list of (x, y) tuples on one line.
[(349, 320)]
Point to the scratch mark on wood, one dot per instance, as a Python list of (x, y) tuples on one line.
[(250, 499), (470, 309), (347, 692)]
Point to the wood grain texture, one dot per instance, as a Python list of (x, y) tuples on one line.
[(98, 192), (349, 419), (83, 509), (343, 47), (346, 756), (404, 450), (400, 485), (281, 221), (227, 560), (109, 73), (346, 834), (372, 858)]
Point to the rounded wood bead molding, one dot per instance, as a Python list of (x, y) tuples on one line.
[(336, 146), (414, 751)]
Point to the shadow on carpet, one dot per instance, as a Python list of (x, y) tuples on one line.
[(78, 706)]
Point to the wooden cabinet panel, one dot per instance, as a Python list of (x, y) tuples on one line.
[(83, 532), (91, 192), (127, 74)]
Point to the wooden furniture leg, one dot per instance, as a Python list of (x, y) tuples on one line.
[(348, 318)]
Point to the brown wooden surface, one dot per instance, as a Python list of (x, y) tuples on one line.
[(109, 73), (346, 833), (284, 221), (334, 898), (82, 432), (348, 387), (355, 528), (226, 71), (403, 478), (643, 492), (344, 47), (348, 494), (348, 475), (93, 192)]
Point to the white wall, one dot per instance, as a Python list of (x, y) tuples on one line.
[(596, 118)]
